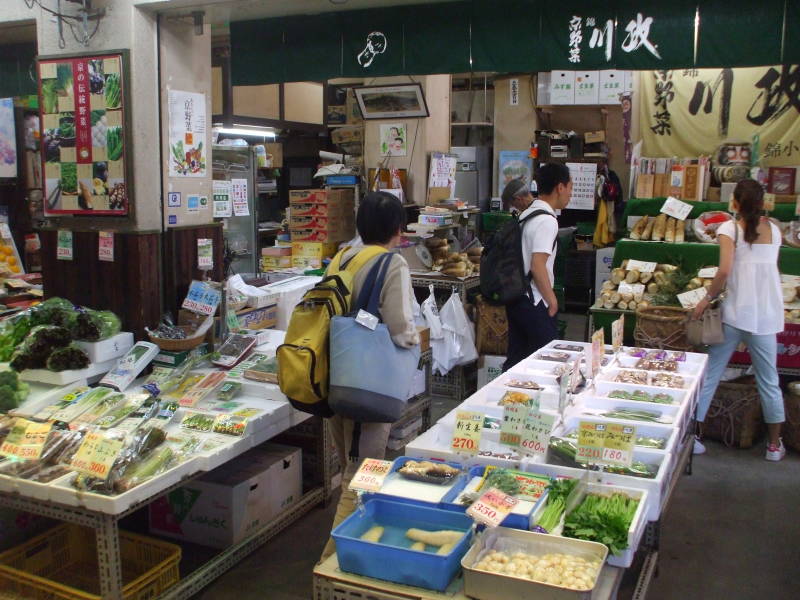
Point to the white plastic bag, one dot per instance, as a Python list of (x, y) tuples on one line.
[(430, 312), (457, 347)]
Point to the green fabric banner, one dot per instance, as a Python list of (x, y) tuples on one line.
[(791, 48), (313, 48), (16, 66), (726, 38), (654, 37), (373, 44), (505, 36), (578, 38), (258, 55), (437, 38)]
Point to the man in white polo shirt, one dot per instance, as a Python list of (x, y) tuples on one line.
[(532, 319)]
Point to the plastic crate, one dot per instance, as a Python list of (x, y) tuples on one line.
[(458, 384), (492, 221), (62, 563)]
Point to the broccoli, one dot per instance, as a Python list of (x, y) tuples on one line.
[(24, 359), (10, 379), (8, 398), (70, 357)]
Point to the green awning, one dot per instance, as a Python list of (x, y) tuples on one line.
[(16, 66)]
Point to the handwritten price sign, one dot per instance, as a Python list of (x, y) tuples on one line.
[(536, 434), (370, 475), (492, 508), (591, 442), (619, 442), (26, 440), (514, 416), (467, 432), (96, 455)]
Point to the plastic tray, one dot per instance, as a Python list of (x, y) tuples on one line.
[(492, 586), (43, 395), (69, 376), (395, 486), (398, 563)]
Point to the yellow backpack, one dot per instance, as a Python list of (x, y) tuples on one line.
[(303, 363)]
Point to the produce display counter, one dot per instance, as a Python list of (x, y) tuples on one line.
[(637, 207), (666, 442)]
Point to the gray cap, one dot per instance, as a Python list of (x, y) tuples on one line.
[(514, 188)]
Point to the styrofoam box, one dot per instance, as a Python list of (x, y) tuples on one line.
[(69, 376), (489, 367), (560, 86), (685, 367), (610, 374), (629, 78), (671, 413), (587, 84), (434, 444), (668, 432), (604, 388), (656, 487), (541, 371), (109, 349), (42, 395), (486, 400), (612, 84)]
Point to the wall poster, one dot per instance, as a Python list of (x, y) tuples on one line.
[(85, 148), (187, 134), (8, 139)]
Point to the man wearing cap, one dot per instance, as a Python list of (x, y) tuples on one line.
[(532, 319)]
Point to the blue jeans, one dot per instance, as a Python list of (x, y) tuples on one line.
[(764, 354)]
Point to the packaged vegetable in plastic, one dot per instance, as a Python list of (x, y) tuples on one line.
[(37, 347), (67, 358), (95, 325)]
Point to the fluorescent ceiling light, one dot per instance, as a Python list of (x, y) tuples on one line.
[(261, 132)]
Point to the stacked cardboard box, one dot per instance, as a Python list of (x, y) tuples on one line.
[(324, 216), (276, 257), (309, 255)]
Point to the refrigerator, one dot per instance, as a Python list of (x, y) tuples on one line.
[(473, 174), (238, 164)]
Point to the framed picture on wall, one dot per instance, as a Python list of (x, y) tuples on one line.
[(86, 141), (390, 101)]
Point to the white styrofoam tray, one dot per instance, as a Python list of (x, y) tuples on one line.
[(69, 376), (667, 432), (672, 414), (604, 388), (487, 399), (434, 444), (656, 487), (113, 347), (685, 367), (610, 374), (42, 395)]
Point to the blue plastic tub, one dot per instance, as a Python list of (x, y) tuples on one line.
[(514, 521), (392, 559)]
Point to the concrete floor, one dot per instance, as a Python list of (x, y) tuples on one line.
[(731, 532)]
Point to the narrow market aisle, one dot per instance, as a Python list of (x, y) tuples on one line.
[(732, 529)]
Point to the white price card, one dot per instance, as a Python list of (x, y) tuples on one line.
[(641, 266), (370, 475), (536, 433), (514, 416), (467, 432), (598, 345), (618, 445), (675, 208), (617, 333), (708, 272), (631, 288), (591, 442), (769, 202), (64, 247), (692, 298), (105, 246), (205, 254), (492, 507)]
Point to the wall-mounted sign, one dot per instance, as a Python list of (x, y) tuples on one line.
[(85, 144), (187, 134)]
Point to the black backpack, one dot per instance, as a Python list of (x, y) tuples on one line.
[(503, 276)]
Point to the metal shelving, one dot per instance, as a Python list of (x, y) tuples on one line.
[(107, 527)]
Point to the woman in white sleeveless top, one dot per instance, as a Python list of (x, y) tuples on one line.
[(752, 310)]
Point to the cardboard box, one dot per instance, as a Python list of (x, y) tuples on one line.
[(593, 137), (277, 251), (175, 359), (319, 209), (561, 87), (258, 318), (315, 235), (334, 196), (226, 505), (424, 338), (347, 135), (491, 336), (306, 262), (331, 224), (612, 84), (313, 249), (271, 263), (587, 84), (489, 367)]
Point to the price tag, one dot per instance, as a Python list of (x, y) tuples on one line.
[(633, 289), (598, 343), (642, 267), (64, 245), (619, 442), (617, 333), (563, 393), (232, 321), (202, 298), (514, 417), (205, 254), (769, 202), (591, 442), (575, 375), (675, 208), (96, 455), (467, 432), (492, 507), (708, 272), (26, 440), (536, 433), (692, 298), (105, 246), (370, 475)]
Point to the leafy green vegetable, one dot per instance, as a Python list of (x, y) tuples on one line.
[(66, 128), (113, 91), (564, 451), (96, 116), (114, 142), (38, 345), (603, 519), (178, 152), (95, 325), (13, 392), (69, 178), (64, 74), (70, 357), (558, 492), (503, 481), (635, 415), (50, 95)]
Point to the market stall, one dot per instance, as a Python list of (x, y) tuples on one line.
[(530, 452)]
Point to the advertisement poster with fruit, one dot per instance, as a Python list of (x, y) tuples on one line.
[(8, 140), (187, 134), (82, 105)]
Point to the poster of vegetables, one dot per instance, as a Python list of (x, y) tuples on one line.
[(84, 124), (8, 139), (187, 134)]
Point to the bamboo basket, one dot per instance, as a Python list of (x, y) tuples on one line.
[(190, 341), (661, 327)]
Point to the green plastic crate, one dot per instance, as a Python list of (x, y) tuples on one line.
[(492, 221)]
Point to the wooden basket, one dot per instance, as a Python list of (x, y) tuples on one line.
[(734, 417), (661, 327), (189, 342)]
